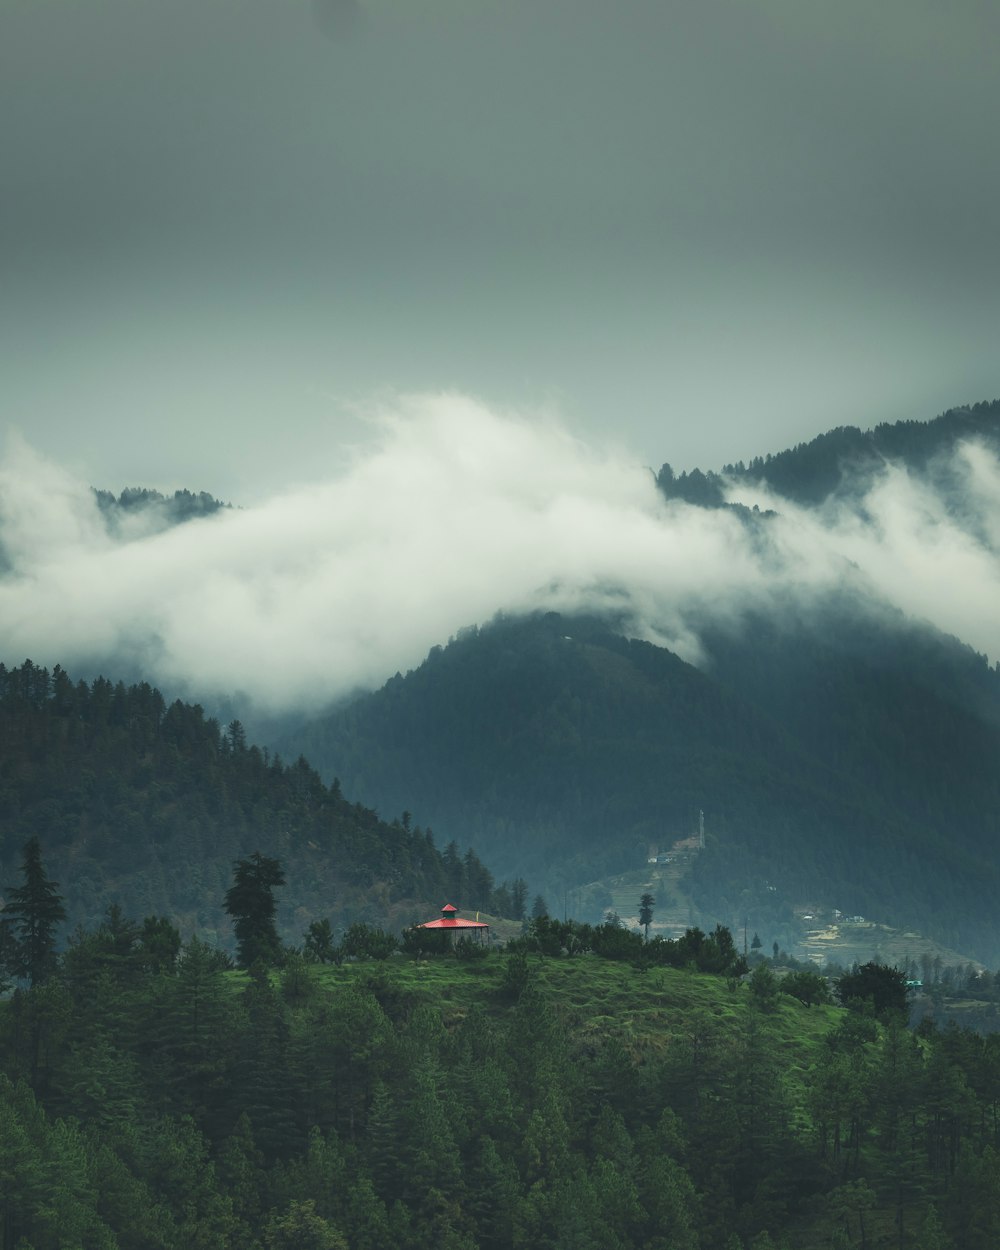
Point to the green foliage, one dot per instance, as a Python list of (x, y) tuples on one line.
[(646, 905), (932, 1235), (319, 946), (250, 902), (362, 941), (764, 988), (560, 1100), (161, 511), (516, 975), (876, 988), (298, 983), (808, 987), (421, 942), (161, 944), (31, 917), (715, 952), (148, 806), (701, 489), (846, 460), (300, 1228), (471, 951)]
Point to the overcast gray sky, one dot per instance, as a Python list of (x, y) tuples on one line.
[(697, 230)]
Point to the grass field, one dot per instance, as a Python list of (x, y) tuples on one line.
[(645, 1009)]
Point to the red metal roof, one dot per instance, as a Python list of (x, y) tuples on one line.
[(452, 922)]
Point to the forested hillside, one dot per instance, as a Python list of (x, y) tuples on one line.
[(845, 460), (564, 751), (148, 806), (150, 510), (606, 1100)]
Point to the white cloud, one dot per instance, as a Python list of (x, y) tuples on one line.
[(456, 513), (910, 545)]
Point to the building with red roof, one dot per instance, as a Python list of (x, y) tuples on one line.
[(451, 922)]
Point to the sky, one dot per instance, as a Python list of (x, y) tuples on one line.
[(427, 289), (233, 232)]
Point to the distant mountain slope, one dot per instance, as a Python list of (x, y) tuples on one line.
[(562, 750), (845, 459), (142, 510), (148, 806)]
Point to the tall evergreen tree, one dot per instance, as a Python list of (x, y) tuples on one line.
[(33, 913), (646, 905), (250, 902)]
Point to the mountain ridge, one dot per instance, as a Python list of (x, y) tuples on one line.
[(845, 457), (564, 775), (565, 746), (147, 806)]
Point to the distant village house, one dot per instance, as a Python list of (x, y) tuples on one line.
[(451, 923)]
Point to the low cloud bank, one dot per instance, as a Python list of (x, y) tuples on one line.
[(458, 512)]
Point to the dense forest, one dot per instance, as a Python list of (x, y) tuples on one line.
[(845, 461), (584, 1090), (146, 805), (563, 750)]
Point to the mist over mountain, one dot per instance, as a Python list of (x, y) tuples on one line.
[(139, 511), (841, 743), (460, 512), (355, 360), (844, 464), (849, 760), (806, 658)]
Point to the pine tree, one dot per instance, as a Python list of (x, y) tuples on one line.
[(31, 917), (250, 902), (646, 905), (300, 1228), (264, 1086), (195, 1034)]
